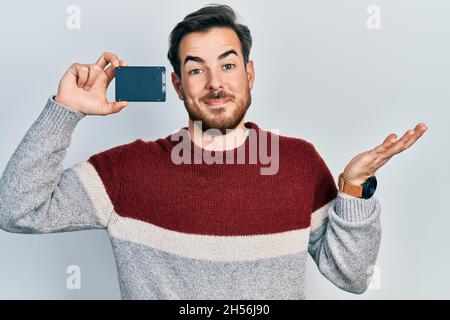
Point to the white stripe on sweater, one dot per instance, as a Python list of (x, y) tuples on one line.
[(320, 216), (96, 190), (207, 247)]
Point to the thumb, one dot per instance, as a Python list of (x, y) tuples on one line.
[(117, 106)]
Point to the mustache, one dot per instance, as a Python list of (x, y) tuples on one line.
[(217, 95)]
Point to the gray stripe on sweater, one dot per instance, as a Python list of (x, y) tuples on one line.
[(147, 273)]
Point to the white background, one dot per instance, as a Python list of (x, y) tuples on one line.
[(321, 75)]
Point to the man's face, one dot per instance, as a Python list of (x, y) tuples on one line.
[(214, 85)]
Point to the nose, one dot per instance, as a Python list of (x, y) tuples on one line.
[(213, 82)]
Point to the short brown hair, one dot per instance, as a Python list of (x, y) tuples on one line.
[(210, 16)]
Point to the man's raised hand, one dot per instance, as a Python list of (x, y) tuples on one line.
[(83, 86)]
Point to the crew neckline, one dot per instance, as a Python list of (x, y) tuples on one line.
[(195, 149)]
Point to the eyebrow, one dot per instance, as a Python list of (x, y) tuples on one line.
[(222, 56)]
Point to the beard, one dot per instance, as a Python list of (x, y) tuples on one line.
[(224, 118)]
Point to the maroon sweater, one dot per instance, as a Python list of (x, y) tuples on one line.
[(216, 199)]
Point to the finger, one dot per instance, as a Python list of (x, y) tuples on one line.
[(390, 139), (82, 73), (106, 58), (110, 71), (410, 137), (391, 147), (400, 144), (381, 150), (419, 131), (421, 128), (385, 152), (406, 140), (117, 106), (94, 71)]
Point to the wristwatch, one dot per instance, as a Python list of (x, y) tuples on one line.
[(365, 191)]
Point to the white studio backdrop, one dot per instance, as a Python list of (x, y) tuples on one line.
[(341, 74)]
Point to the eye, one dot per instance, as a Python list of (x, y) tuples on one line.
[(229, 64), (192, 73)]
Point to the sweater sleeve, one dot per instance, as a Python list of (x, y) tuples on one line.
[(37, 195), (345, 233)]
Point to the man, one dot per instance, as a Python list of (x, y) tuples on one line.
[(197, 230)]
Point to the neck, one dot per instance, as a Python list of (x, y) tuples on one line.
[(215, 141)]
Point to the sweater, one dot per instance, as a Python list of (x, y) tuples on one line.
[(194, 231)]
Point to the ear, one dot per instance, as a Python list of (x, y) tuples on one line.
[(250, 73), (176, 81)]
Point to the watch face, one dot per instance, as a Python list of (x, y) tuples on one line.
[(369, 187)]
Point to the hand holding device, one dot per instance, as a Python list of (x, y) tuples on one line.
[(83, 86)]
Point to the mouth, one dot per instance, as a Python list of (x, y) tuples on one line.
[(216, 102)]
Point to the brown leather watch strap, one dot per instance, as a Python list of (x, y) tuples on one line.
[(348, 188)]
